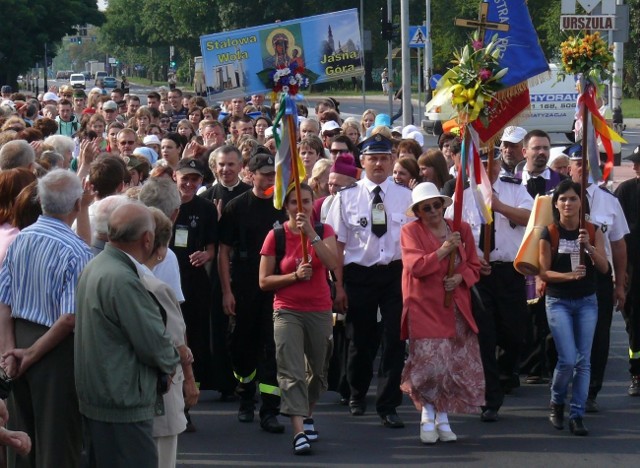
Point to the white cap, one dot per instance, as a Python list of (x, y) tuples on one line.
[(409, 129), (49, 96), (555, 153), (513, 134), (416, 136), (329, 126), (151, 140)]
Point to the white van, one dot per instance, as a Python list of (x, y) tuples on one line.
[(553, 107)]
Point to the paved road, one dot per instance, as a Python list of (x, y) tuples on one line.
[(522, 438)]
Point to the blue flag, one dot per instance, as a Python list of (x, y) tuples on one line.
[(521, 51)]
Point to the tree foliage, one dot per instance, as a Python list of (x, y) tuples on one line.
[(28, 26)]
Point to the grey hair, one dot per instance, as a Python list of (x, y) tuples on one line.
[(55, 159), (59, 191), (16, 153), (103, 210), (132, 230), (60, 143), (161, 193)]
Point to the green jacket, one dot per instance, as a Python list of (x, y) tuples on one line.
[(120, 341)]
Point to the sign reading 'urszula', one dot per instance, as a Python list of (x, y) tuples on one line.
[(326, 47)]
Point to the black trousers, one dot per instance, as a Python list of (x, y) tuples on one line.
[(535, 361), (222, 379), (196, 310), (252, 348), (601, 338), (369, 289), (501, 323), (631, 314), (120, 445)]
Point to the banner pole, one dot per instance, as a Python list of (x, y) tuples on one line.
[(296, 178)]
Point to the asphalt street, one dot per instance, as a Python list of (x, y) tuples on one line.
[(522, 437)]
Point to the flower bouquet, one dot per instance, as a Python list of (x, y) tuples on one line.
[(588, 55)]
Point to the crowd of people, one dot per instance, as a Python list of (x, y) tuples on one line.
[(143, 261)]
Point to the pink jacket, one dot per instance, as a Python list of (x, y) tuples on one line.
[(424, 314)]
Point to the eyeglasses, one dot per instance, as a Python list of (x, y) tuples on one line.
[(165, 120), (128, 142), (435, 206), (336, 152)]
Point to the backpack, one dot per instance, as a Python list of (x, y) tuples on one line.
[(281, 245), (554, 237)]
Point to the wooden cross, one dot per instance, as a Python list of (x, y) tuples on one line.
[(481, 23)]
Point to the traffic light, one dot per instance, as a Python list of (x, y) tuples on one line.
[(172, 64), (385, 26), (79, 40)]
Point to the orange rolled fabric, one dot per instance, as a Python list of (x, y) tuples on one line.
[(526, 261)]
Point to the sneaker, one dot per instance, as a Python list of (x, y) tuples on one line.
[(309, 429), (301, 444), (634, 388)]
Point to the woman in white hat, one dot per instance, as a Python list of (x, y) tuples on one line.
[(443, 373)]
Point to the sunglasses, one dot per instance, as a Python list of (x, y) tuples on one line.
[(435, 206), (336, 152), (67, 95), (127, 142)]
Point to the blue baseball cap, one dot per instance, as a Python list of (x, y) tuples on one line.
[(376, 144)]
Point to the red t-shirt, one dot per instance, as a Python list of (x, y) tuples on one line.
[(302, 296)]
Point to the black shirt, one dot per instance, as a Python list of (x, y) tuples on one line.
[(561, 263), (244, 225), (195, 229), (220, 192)]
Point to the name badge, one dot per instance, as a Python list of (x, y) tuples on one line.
[(377, 214), (181, 237)]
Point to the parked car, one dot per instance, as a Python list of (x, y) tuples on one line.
[(110, 82), (77, 80)]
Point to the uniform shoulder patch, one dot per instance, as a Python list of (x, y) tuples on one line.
[(348, 187), (511, 179)]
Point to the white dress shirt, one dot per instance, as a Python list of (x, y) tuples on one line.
[(508, 236), (606, 212), (350, 217)]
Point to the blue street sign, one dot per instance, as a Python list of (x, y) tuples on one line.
[(417, 36)]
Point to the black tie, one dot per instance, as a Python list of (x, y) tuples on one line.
[(493, 234), (378, 229)]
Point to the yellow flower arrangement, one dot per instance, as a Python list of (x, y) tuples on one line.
[(589, 55), (475, 79)]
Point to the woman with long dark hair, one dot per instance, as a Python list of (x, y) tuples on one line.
[(569, 258)]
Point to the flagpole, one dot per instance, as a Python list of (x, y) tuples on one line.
[(488, 227), (457, 218), (296, 178), (585, 163)]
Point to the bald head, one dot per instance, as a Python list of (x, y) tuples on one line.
[(17, 153), (129, 222)]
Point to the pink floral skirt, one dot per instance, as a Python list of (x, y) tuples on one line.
[(446, 372)]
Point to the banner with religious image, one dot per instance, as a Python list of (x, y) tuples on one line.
[(309, 50)]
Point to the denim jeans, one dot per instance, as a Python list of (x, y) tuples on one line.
[(572, 323)]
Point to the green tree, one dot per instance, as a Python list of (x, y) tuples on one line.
[(28, 26)]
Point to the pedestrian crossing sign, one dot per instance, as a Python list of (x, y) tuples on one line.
[(418, 36)]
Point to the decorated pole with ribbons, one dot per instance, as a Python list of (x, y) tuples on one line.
[(470, 86), (590, 57), (290, 172)]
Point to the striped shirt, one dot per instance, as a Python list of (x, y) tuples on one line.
[(40, 273)]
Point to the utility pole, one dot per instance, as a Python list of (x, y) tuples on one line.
[(46, 63), (407, 112)]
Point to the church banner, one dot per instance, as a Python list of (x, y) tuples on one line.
[(326, 47)]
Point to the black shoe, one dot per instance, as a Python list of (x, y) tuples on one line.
[(392, 420), (271, 424), (536, 380), (344, 401), (634, 388), (556, 416), (489, 415), (591, 405), (577, 427), (357, 407), (245, 413), (190, 427)]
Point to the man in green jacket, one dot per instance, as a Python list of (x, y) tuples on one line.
[(121, 346)]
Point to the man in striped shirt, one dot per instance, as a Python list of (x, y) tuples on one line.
[(37, 317)]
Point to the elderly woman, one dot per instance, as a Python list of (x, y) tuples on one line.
[(443, 373), (167, 426), (572, 307)]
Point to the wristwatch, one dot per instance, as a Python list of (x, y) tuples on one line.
[(315, 240)]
